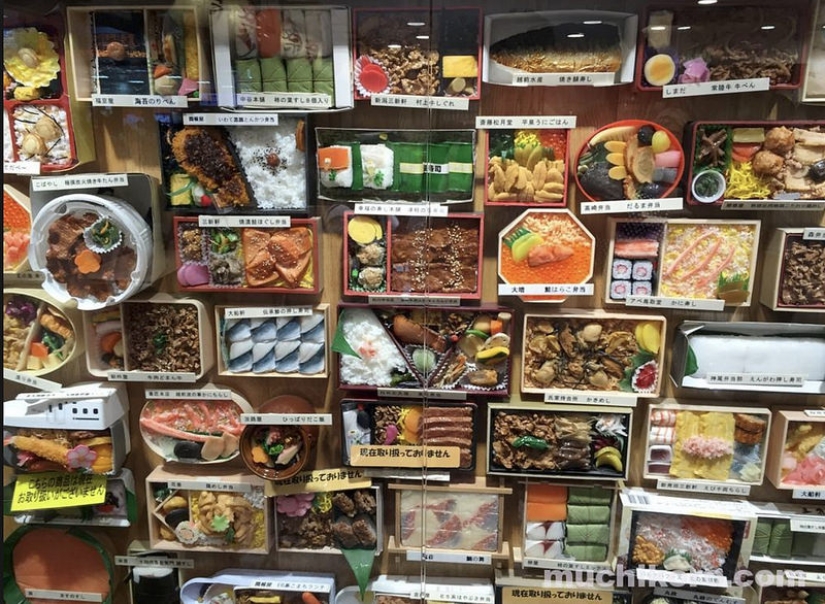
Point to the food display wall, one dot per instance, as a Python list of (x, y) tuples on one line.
[(127, 141)]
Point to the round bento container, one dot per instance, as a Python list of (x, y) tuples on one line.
[(58, 243)]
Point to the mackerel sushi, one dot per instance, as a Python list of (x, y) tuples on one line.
[(265, 331), (311, 358), (313, 328), (237, 329), (289, 328)]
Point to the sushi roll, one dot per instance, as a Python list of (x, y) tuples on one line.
[(335, 166), (619, 289), (642, 288), (313, 328), (265, 331), (237, 330), (377, 165), (642, 270), (289, 328), (621, 268)]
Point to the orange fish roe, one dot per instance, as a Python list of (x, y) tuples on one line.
[(716, 531), (574, 269), (15, 216)]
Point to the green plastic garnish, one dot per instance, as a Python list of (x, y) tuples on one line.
[(160, 341), (220, 523), (105, 234), (531, 442)]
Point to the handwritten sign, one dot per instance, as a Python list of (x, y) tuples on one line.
[(382, 456), (52, 490), (319, 481)]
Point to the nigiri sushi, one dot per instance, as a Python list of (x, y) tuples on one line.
[(377, 163), (335, 166)]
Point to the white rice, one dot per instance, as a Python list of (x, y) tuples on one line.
[(377, 162), (26, 116), (284, 187), (364, 332)]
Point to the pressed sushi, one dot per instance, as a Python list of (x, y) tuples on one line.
[(377, 162), (335, 166), (622, 268)]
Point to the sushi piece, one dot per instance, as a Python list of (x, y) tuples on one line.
[(286, 348), (288, 363), (621, 268), (555, 531), (242, 363), (335, 166), (260, 350), (377, 164), (619, 289), (535, 530), (313, 328), (642, 270), (237, 330), (311, 357), (543, 549), (636, 248), (266, 363), (265, 332), (238, 349), (642, 288), (318, 33), (289, 328)]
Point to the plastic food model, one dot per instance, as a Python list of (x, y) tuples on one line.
[(17, 223), (433, 256), (781, 160), (236, 168), (631, 159), (417, 53), (603, 354), (706, 443), (322, 521), (37, 336), (414, 347), (558, 441), (527, 167), (777, 537), (567, 523), (240, 586), (695, 44), (802, 274), (408, 424), (803, 454)]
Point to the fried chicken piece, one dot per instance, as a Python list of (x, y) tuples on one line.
[(767, 163), (779, 140)]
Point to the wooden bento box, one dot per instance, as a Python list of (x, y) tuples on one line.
[(558, 441), (407, 256), (706, 443), (265, 341), (257, 258), (793, 272), (217, 510), (794, 461), (789, 534), (631, 348)]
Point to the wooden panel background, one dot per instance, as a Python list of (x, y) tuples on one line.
[(126, 140)]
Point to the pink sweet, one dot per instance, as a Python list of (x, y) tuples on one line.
[(294, 505), (695, 70), (669, 159), (810, 472), (192, 275)]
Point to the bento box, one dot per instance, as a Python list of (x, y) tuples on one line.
[(593, 352), (682, 259), (797, 444), (330, 522), (707, 443), (17, 226), (527, 167), (257, 258), (119, 507), (246, 586), (568, 524), (664, 537), (83, 429), (193, 426), (538, 441), (167, 337), (260, 341), (812, 593), (789, 534), (380, 433), (139, 51), (44, 129), (401, 589), (420, 52), (286, 57), (399, 165), (408, 255), (749, 356), (692, 44), (813, 88), (550, 250), (793, 272), (240, 169), (733, 161), (40, 335), (465, 352), (218, 510), (564, 47), (458, 517)]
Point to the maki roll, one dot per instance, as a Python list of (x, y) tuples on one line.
[(619, 289), (621, 268), (642, 288), (377, 163), (642, 270)]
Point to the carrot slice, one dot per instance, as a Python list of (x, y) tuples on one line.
[(109, 341), (87, 262), (39, 350)]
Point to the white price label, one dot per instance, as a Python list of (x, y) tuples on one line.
[(805, 524), (267, 312), (316, 588), (66, 596), (79, 181), (462, 594), (545, 289), (210, 484), (515, 122), (21, 377), (757, 379), (439, 395), (776, 205), (271, 222), (680, 303), (401, 474), (815, 412), (147, 101), (402, 209), (32, 276), (715, 488), (230, 119), (667, 577), (65, 397), (148, 561), (813, 234), (611, 400), (150, 376), (810, 494), (548, 564), (417, 555), (563, 79), (189, 395), (404, 300), (21, 168), (711, 88), (420, 102), (302, 100), (287, 419), (805, 578), (696, 596), (627, 206)]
